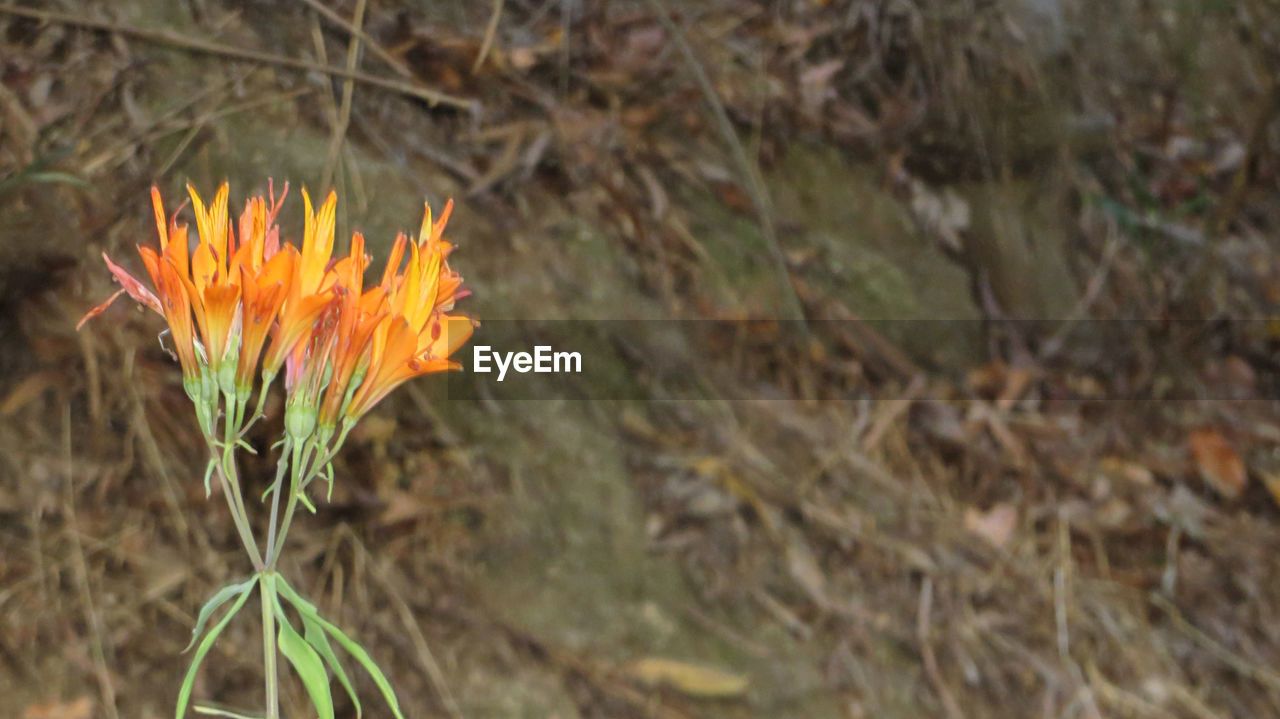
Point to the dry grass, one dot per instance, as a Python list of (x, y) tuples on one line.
[(970, 535)]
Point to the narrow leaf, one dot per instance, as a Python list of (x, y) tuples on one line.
[(692, 679), (216, 711), (184, 693), (316, 638), (208, 474), (296, 599), (217, 600), (306, 663), (367, 662), (57, 177), (348, 644)]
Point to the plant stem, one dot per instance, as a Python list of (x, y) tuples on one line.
[(231, 483), (242, 526), (300, 453), (269, 646), (276, 488)]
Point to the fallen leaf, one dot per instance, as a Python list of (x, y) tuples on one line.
[(1124, 469), (733, 197), (995, 525), (1220, 467), (692, 679), (943, 215), (815, 85), (81, 708)]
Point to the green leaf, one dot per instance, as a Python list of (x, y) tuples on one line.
[(314, 635), (306, 663), (350, 646), (208, 473), (216, 711), (57, 177), (296, 599), (217, 600), (184, 693)]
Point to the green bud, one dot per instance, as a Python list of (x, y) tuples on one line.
[(227, 371), (299, 421), (357, 379), (192, 387), (204, 415), (195, 389), (208, 388), (323, 435)]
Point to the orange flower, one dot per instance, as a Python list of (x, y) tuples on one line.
[(215, 294), (265, 274), (309, 293), (166, 272), (359, 315), (345, 347), (400, 354), (416, 337), (177, 311)]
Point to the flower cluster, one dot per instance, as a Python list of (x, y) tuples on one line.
[(242, 305)]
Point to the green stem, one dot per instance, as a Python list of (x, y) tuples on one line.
[(300, 452), (231, 491), (281, 466), (257, 410), (231, 481), (298, 483), (269, 672)]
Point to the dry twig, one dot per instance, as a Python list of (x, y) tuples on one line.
[(489, 32), (165, 37), (92, 618), (755, 185)]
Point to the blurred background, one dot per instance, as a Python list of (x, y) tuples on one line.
[(996, 274)]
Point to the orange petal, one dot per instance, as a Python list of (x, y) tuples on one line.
[(158, 207), (437, 229), (450, 333), (99, 309), (393, 261), (177, 305), (317, 241), (220, 302), (279, 268), (177, 250), (299, 320), (131, 285), (203, 224), (152, 262), (204, 267)]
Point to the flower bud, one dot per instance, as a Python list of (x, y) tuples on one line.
[(227, 371), (299, 422)]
